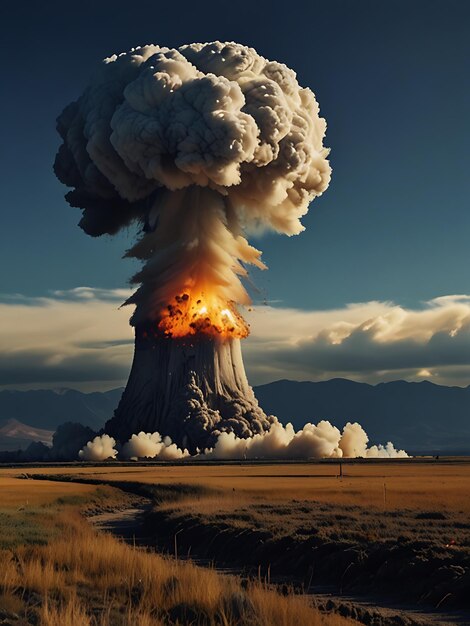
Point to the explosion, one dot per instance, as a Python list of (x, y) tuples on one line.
[(201, 145), (190, 315)]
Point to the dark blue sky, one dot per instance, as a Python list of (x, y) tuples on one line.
[(391, 79)]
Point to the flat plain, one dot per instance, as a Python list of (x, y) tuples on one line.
[(397, 532)]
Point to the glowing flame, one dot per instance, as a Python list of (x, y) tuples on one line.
[(190, 314)]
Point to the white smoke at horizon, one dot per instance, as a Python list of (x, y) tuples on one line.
[(100, 448), (322, 440), (152, 446)]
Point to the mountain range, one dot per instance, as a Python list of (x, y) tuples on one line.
[(15, 435), (47, 408), (419, 417)]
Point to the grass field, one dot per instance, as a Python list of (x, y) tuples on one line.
[(418, 486), (398, 528), (57, 570)]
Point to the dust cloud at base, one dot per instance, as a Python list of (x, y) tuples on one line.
[(322, 440)]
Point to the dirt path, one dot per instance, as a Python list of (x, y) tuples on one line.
[(123, 523)]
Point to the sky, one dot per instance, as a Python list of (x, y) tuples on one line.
[(391, 232)]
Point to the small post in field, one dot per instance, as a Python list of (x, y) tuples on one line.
[(176, 543)]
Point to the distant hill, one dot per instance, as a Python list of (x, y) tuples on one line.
[(47, 409), (415, 416), (17, 436)]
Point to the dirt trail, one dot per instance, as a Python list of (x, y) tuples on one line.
[(123, 523)]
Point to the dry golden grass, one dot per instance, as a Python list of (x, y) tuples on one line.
[(85, 578), (418, 486), (21, 493), (29, 508), (375, 528), (85, 569)]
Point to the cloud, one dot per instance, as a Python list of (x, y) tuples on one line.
[(81, 338), (74, 338), (93, 293), (372, 341)]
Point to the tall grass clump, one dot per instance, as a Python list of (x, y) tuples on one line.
[(88, 578)]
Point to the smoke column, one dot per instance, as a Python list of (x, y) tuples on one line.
[(200, 145)]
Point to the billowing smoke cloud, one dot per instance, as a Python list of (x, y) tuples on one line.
[(152, 446), (200, 144), (354, 440), (100, 448), (280, 442), (314, 441)]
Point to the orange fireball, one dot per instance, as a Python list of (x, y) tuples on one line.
[(190, 314)]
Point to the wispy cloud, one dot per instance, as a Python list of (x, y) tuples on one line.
[(372, 341), (79, 338), (82, 338)]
